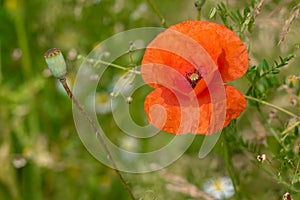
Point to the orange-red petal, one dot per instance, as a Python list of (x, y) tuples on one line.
[(222, 45), (165, 112)]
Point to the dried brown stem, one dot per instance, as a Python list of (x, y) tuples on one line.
[(98, 134), (258, 8), (288, 24)]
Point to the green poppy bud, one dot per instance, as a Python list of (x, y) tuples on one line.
[(129, 100), (56, 63), (199, 4)]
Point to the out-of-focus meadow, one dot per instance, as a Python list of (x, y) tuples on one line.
[(41, 155)]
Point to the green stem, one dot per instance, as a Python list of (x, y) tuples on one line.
[(23, 43), (131, 58), (116, 66), (272, 106), (199, 15), (290, 128), (0, 63), (156, 11), (229, 167), (31, 182)]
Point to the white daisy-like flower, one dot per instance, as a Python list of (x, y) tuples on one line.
[(219, 188)]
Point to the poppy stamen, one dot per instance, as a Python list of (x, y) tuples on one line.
[(193, 78)]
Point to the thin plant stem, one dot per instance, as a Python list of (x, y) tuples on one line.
[(98, 134), (199, 15), (0, 62), (229, 168), (156, 11), (296, 172), (111, 64), (290, 128), (131, 57), (32, 176), (272, 106), (23, 42), (116, 66)]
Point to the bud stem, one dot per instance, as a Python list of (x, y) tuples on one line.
[(156, 11), (199, 15), (98, 134)]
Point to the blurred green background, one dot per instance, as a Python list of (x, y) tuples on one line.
[(41, 155)]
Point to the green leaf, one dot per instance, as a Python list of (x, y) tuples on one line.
[(212, 12), (250, 25), (222, 5), (296, 178), (275, 71), (252, 74), (241, 18), (298, 90), (264, 66), (274, 81), (291, 84), (296, 131), (234, 17), (264, 84)]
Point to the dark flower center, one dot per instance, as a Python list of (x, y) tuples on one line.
[(193, 77)]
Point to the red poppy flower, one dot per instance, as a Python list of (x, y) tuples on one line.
[(187, 65)]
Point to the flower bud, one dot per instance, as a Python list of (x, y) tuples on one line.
[(129, 100), (56, 63), (199, 4)]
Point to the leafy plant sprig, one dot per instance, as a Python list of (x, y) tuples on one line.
[(262, 77), (238, 21)]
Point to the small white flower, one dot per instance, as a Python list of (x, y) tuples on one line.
[(19, 162), (287, 196), (219, 188), (262, 158)]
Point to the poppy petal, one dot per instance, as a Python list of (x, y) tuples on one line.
[(235, 104), (179, 52), (165, 112), (157, 75), (223, 46), (221, 111)]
